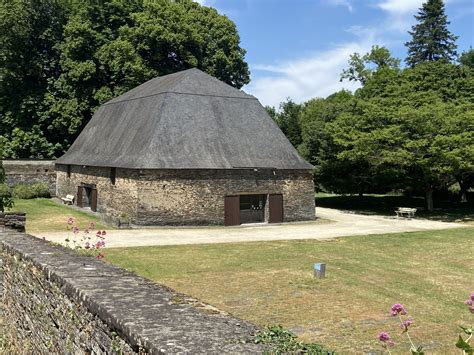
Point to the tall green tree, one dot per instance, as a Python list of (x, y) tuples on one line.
[(414, 128), (59, 62), (431, 38), (29, 59), (288, 119), (361, 68)]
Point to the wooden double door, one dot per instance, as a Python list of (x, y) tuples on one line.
[(232, 209), (87, 196)]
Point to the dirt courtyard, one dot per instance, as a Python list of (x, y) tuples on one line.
[(331, 223)]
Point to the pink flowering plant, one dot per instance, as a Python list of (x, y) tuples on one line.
[(465, 337), (88, 240), (399, 311)]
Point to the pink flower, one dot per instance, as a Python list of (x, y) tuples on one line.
[(472, 296), (104, 233), (398, 308), (75, 229), (100, 256), (70, 220), (469, 302), (406, 323), (471, 309), (384, 336)]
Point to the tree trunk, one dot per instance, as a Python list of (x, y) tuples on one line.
[(463, 190), (429, 199)]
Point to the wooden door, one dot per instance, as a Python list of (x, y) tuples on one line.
[(232, 211), (93, 201), (275, 208), (79, 196)]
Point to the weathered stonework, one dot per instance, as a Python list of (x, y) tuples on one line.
[(13, 220), (30, 172), (179, 197), (56, 301)]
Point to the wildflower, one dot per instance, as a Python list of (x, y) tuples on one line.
[(75, 229), (471, 309), (91, 225), (104, 233), (398, 308), (472, 296), (469, 302), (406, 323), (70, 221), (384, 336), (100, 256)]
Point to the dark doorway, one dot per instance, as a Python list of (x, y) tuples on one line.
[(252, 208), (87, 196), (231, 211), (275, 202)]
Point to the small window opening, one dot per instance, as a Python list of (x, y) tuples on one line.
[(113, 174), (69, 171)]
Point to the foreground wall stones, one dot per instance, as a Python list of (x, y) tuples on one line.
[(30, 172), (176, 197), (59, 302)]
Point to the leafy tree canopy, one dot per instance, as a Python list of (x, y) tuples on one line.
[(60, 60)]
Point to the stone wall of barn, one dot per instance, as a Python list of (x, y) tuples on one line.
[(117, 202), (180, 197), (197, 196), (30, 172)]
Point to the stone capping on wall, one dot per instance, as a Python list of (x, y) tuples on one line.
[(13, 220), (149, 317)]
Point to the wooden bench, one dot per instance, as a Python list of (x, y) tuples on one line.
[(68, 200), (405, 211)]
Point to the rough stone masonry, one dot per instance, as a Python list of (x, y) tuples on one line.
[(56, 301)]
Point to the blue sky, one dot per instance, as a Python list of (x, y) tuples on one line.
[(298, 48)]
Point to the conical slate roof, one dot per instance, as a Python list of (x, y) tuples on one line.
[(186, 120)]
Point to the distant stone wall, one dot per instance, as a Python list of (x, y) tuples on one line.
[(179, 197), (56, 301), (30, 172)]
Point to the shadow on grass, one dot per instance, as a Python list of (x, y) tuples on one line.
[(447, 211)]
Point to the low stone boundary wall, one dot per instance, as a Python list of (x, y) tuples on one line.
[(56, 301), (13, 220), (30, 172)]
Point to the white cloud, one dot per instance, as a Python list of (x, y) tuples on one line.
[(301, 79), (345, 3), (400, 7)]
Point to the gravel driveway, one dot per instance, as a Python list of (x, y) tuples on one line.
[(331, 224)]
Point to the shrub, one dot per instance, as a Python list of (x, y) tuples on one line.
[(23, 191), (6, 200)]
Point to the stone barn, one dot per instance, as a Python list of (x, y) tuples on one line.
[(186, 148)]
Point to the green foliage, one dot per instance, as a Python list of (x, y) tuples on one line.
[(59, 61), (431, 39), (6, 200), (288, 120), (361, 68), (37, 190), (467, 58), (281, 341)]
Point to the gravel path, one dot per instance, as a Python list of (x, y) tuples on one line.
[(331, 224)]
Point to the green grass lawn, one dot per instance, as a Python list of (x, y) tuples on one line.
[(387, 204), (45, 215), (272, 283)]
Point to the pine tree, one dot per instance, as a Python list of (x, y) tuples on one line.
[(431, 39)]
